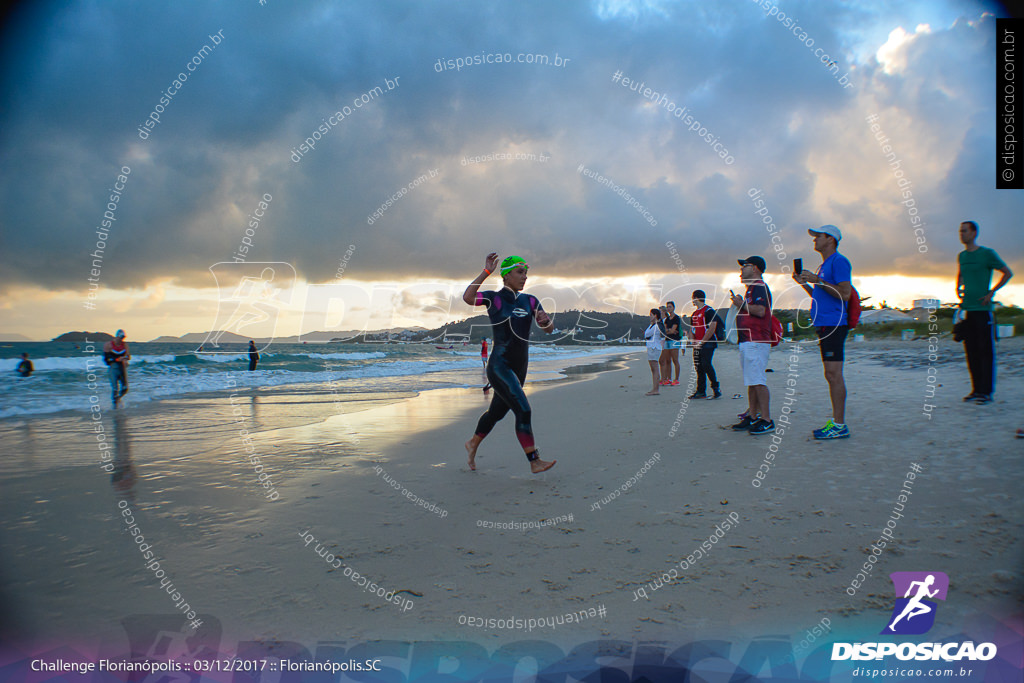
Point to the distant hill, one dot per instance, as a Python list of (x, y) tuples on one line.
[(198, 338), (577, 327), (574, 327), (13, 337), (83, 336)]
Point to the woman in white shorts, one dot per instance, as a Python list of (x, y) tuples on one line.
[(655, 343)]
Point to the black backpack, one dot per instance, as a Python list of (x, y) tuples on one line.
[(720, 329)]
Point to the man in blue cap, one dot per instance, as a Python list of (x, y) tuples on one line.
[(833, 286)]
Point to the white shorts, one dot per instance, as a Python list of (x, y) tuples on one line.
[(754, 361), (653, 353)]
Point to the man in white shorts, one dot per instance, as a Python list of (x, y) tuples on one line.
[(754, 325)]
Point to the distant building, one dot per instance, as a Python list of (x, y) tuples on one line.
[(884, 315), (927, 303)]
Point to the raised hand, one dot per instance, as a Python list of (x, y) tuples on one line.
[(491, 263)]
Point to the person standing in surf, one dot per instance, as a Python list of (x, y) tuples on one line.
[(254, 355), (116, 355), (512, 313)]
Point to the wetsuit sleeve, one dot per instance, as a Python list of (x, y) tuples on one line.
[(535, 305), (484, 299)]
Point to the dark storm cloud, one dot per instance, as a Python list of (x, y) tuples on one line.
[(81, 79)]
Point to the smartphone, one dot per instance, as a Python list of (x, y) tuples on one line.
[(798, 265)]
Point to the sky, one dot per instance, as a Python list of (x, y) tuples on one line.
[(423, 161)]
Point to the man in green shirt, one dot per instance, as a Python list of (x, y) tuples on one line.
[(973, 286)]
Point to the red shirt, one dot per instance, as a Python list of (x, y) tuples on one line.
[(749, 326), (699, 322)]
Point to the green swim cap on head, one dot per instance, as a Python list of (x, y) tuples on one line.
[(511, 263)]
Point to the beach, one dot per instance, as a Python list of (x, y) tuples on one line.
[(607, 545)]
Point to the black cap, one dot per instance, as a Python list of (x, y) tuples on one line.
[(755, 261)]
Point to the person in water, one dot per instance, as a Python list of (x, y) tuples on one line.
[(511, 313), (116, 355), (254, 355), (25, 367)]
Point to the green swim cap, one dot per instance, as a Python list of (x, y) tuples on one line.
[(511, 263)]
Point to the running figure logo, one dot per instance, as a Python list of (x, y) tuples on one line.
[(250, 298), (914, 613)]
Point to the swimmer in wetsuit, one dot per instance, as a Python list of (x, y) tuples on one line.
[(511, 313)]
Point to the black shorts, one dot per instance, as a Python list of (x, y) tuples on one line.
[(832, 341)]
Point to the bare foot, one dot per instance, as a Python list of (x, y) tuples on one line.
[(537, 466), (651, 393), (471, 447)]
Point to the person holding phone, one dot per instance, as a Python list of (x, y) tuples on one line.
[(754, 325), (833, 286), (512, 314)]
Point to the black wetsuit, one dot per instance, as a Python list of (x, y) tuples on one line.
[(511, 318)]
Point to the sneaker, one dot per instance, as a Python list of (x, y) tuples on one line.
[(971, 396), (674, 382), (663, 382), (982, 399), (696, 394), (744, 414), (762, 427), (718, 394), (744, 424), (832, 431)]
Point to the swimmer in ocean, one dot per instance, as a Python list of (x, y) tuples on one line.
[(511, 313)]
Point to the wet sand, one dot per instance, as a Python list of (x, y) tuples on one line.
[(793, 548)]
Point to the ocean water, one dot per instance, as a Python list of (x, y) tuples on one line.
[(65, 372)]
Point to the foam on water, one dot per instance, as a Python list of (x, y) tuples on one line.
[(65, 376)]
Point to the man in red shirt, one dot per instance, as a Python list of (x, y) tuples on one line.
[(703, 326), (754, 325)]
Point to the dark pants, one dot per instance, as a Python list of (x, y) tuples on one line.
[(702, 357), (980, 348)]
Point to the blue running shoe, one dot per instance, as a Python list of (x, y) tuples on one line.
[(831, 431)]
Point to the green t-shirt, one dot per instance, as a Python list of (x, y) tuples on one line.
[(976, 273)]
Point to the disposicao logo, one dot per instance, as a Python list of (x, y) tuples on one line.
[(914, 614)]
